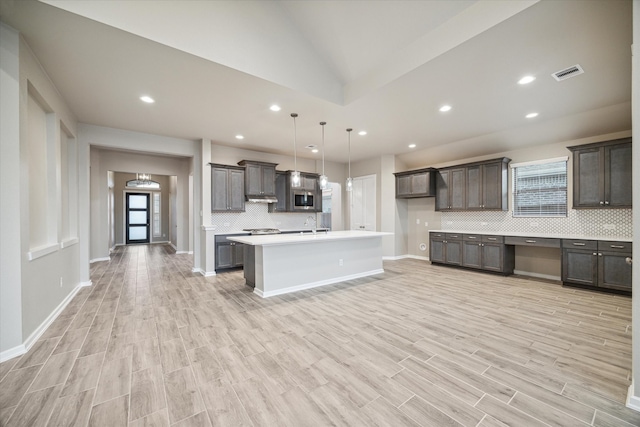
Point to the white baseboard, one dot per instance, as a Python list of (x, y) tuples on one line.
[(537, 275), (35, 335), (316, 284), (106, 258), (87, 283), (204, 273), (190, 252), (396, 258), (633, 402), (182, 252)]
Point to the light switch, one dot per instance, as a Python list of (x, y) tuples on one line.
[(418, 221)]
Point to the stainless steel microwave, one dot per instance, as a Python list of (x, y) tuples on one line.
[(303, 200)]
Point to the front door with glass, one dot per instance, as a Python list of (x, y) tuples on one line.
[(137, 218)]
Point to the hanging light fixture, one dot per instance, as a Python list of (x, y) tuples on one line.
[(143, 178), (295, 175), (324, 181), (349, 179)]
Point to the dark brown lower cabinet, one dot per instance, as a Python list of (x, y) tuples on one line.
[(487, 252), (476, 251), (445, 248), (228, 254), (602, 264)]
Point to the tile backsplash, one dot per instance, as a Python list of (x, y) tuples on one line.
[(257, 215), (587, 222)]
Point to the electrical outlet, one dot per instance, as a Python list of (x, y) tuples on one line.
[(60, 281), (426, 224), (340, 262), (484, 224), (226, 224), (609, 226), (534, 224), (418, 221), (449, 222)]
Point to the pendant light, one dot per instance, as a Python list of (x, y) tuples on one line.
[(324, 181), (295, 175), (349, 179)]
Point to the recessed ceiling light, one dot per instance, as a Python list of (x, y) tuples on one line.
[(362, 133), (445, 108), (275, 107), (412, 145), (315, 150), (239, 136), (147, 99), (531, 115), (526, 80)]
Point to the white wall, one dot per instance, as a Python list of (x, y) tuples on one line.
[(40, 261), (10, 215)]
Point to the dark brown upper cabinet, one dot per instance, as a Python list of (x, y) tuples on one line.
[(260, 178), (602, 175), (473, 186), (415, 183), (227, 188)]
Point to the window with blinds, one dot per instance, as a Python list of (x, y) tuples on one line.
[(157, 229), (540, 189)]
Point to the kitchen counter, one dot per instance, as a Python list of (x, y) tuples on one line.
[(539, 235), (281, 263)]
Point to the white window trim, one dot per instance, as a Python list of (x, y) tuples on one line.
[(539, 162)]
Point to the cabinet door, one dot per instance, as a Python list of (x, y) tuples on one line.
[(492, 186), (453, 253), (238, 254), (493, 257), (472, 254), (437, 251), (474, 187), (420, 183), (442, 190), (458, 188), (403, 186), (219, 189), (617, 174), (224, 255), (613, 270), (281, 194), (236, 190), (580, 266), (588, 177), (253, 179), (268, 181)]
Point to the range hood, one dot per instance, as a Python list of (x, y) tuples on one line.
[(261, 199)]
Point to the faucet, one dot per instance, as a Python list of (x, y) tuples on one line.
[(315, 223)]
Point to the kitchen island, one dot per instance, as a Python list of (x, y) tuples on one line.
[(281, 263)]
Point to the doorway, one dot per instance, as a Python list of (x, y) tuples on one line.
[(137, 218)]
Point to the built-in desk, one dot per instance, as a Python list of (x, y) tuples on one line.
[(593, 262)]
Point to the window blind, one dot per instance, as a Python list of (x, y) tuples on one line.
[(540, 190)]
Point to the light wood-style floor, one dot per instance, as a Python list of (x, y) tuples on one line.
[(152, 344)]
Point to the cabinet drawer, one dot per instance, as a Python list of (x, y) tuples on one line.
[(453, 236), (532, 241), (487, 238), (612, 246), (590, 245), (436, 235), (222, 238), (472, 237)]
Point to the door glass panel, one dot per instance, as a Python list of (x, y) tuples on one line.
[(137, 233), (137, 217), (137, 202)]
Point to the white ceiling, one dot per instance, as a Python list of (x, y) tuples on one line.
[(214, 68)]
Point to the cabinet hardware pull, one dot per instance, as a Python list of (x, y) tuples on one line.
[(579, 244), (617, 246), (594, 254), (602, 203), (491, 238), (606, 202), (628, 260), (530, 241), (472, 237), (599, 254)]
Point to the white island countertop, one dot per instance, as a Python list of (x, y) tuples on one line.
[(307, 237)]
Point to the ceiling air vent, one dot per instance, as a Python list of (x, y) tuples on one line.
[(568, 72)]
